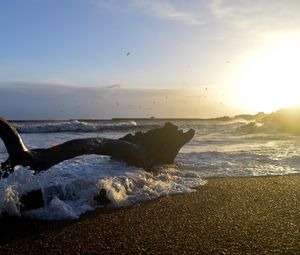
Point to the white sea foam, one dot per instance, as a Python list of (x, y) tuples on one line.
[(12, 188), (76, 188)]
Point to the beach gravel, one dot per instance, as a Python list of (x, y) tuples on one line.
[(258, 215)]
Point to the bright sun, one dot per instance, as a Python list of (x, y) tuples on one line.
[(272, 80)]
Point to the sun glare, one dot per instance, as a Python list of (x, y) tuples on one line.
[(272, 80)]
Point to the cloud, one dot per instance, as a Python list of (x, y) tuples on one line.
[(168, 10), (257, 15), (232, 10), (30, 101), (238, 14), (163, 9)]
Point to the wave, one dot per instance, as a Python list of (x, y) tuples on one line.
[(72, 126), (68, 193), (259, 127), (281, 121)]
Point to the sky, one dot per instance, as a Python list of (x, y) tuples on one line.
[(63, 59)]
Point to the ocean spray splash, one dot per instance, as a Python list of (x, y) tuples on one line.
[(141, 186), (13, 187), (76, 194)]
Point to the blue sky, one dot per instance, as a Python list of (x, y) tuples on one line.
[(201, 48)]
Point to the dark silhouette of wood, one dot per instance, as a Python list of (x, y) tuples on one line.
[(157, 146)]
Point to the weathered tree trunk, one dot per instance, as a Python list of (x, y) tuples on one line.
[(157, 146)]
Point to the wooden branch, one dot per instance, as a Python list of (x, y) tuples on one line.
[(157, 146), (16, 149)]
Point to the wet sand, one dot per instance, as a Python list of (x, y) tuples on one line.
[(226, 216)]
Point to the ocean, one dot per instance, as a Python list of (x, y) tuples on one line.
[(232, 148)]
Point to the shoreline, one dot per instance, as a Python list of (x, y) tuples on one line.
[(237, 215)]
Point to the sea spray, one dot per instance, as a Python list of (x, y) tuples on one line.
[(68, 199), (142, 186)]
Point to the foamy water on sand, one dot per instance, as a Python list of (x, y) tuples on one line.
[(219, 149)]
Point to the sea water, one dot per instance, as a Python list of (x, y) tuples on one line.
[(218, 149)]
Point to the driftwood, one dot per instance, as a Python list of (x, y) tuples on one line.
[(157, 146)]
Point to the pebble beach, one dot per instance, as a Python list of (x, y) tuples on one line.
[(258, 215)]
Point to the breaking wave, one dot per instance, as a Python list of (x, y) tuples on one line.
[(72, 126), (72, 196), (259, 127), (281, 121)]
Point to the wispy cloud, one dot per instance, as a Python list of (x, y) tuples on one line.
[(162, 9), (232, 10), (168, 10), (242, 14), (257, 15)]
